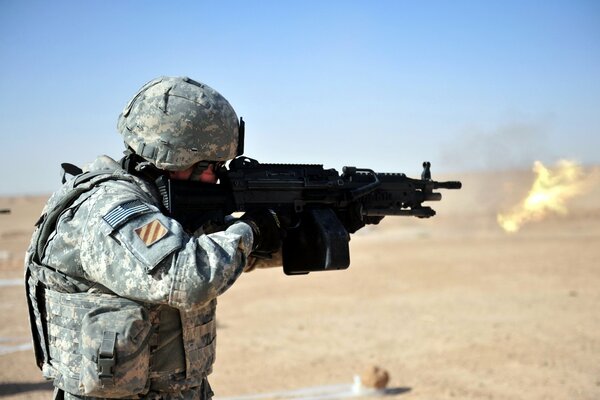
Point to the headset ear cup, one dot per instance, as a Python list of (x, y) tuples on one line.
[(241, 137)]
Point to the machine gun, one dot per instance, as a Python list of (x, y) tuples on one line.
[(318, 207)]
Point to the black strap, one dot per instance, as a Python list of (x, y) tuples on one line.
[(70, 169)]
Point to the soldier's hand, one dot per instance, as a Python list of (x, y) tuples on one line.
[(267, 230)]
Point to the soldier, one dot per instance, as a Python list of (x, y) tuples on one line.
[(121, 297)]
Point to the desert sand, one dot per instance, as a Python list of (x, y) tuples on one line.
[(452, 307)]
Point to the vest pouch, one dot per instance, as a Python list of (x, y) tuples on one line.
[(115, 351)]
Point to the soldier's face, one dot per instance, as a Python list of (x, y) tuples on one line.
[(207, 176), (181, 175)]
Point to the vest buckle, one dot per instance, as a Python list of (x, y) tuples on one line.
[(106, 355)]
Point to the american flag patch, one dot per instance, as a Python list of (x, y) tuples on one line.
[(152, 232), (121, 213)]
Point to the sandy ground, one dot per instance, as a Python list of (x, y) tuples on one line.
[(452, 307)]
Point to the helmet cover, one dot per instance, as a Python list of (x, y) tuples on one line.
[(174, 122)]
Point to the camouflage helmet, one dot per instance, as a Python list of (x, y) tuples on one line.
[(174, 122)]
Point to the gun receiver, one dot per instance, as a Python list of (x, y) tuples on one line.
[(318, 207)]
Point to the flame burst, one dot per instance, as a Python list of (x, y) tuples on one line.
[(549, 194)]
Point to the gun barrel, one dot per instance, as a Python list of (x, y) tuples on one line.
[(4, 211), (433, 196), (421, 212), (448, 185)]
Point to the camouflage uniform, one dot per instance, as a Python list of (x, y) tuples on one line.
[(122, 299)]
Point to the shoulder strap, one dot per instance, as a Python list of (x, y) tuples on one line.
[(81, 184)]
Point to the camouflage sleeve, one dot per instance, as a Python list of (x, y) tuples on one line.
[(209, 265), (137, 252)]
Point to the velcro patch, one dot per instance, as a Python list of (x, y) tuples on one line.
[(123, 212), (152, 232)]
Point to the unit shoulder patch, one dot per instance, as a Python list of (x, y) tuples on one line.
[(151, 232)]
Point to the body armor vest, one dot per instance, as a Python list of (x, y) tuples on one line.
[(94, 343)]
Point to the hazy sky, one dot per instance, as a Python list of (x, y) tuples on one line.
[(380, 84)]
